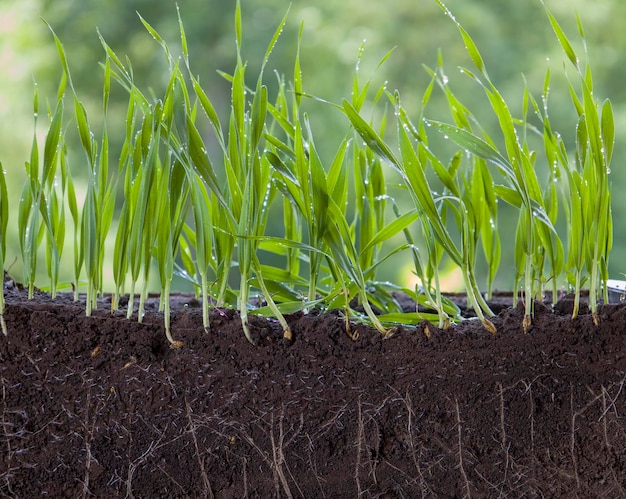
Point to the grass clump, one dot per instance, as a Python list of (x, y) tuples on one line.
[(201, 207)]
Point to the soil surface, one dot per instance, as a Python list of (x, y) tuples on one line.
[(100, 406)]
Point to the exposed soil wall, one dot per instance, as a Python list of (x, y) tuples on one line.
[(101, 407)]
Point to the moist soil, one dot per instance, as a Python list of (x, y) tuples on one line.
[(100, 406)]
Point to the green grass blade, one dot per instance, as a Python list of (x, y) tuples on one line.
[(369, 135), (607, 132), (563, 40)]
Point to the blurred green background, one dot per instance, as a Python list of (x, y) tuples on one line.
[(515, 39)]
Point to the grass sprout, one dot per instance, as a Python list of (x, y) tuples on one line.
[(197, 194), (589, 198)]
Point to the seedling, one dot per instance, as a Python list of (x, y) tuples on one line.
[(205, 213)]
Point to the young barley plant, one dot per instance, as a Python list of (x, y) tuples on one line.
[(344, 255), (588, 198), (412, 167), (99, 203), (517, 165), (39, 200)]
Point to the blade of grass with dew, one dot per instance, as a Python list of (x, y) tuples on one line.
[(54, 214), (28, 213), (150, 231), (127, 167), (292, 222), (172, 184)]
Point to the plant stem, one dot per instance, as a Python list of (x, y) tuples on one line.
[(205, 302)]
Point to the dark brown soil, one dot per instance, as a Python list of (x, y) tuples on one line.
[(101, 407)]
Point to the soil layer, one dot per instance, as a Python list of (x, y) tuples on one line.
[(100, 406)]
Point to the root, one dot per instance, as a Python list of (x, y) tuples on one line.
[(88, 437), (531, 417), (606, 408), (505, 447), (147, 454), (9, 450), (612, 404), (468, 490), (572, 446), (89, 425), (278, 457), (359, 439), (410, 413), (208, 492), (277, 461), (604, 424)]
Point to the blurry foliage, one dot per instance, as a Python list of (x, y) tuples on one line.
[(515, 38)]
